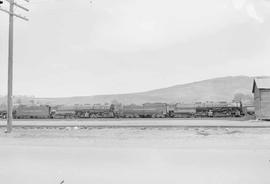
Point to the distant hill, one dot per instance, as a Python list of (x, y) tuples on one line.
[(217, 89)]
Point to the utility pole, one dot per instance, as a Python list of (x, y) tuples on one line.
[(10, 68), (10, 57)]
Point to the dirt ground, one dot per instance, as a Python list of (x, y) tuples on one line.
[(124, 155), (225, 122)]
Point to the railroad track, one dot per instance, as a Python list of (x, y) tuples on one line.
[(133, 126)]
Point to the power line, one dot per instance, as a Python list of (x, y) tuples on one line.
[(14, 4), (12, 14)]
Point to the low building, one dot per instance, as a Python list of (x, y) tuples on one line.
[(261, 91)]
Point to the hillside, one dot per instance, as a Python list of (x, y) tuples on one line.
[(218, 89)]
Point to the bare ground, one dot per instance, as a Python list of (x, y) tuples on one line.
[(122, 155)]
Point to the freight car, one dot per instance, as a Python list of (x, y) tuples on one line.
[(32, 112)]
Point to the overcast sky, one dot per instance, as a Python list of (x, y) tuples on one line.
[(73, 48)]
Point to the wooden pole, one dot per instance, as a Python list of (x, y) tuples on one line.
[(10, 67)]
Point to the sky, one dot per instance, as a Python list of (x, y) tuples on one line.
[(83, 47)]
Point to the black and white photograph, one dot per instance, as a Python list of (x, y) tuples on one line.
[(135, 92)]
